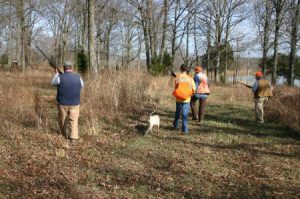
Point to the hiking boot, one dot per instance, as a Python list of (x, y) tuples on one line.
[(173, 128), (183, 133)]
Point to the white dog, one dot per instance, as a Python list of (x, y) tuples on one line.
[(154, 120)]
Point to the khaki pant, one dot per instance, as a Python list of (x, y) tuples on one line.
[(260, 104), (68, 114)]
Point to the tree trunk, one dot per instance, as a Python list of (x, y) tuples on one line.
[(23, 33), (174, 31), (18, 58), (163, 39), (266, 37), (150, 29), (218, 44), (295, 24), (147, 47), (226, 46), (10, 42), (28, 47), (195, 43), (83, 31), (107, 47), (91, 40), (209, 68), (186, 61), (278, 19)]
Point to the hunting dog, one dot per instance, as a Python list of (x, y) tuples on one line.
[(154, 120)]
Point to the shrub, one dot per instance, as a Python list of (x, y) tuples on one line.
[(113, 92), (284, 106), (4, 59), (82, 61)]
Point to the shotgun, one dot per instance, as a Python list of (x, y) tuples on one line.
[(49, 60), (244, 84), (172, 72)]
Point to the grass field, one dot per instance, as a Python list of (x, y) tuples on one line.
[(228, 156)]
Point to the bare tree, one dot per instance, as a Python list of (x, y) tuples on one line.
[(280, 9), (165, 11), (294, 38), (235, 14), (263, 19), (178, 26), (21, 15), (58, 15), (91, 38)]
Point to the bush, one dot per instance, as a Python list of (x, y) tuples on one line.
[(82, 60), (159, 68), (284, 106), (4, 59), (114, 94)]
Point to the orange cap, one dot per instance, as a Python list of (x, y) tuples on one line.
[(198, 69), (258, 74)]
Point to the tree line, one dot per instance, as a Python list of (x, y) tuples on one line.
[(103, 34)]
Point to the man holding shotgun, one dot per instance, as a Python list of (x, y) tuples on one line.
[(68, 99), (262, 90)]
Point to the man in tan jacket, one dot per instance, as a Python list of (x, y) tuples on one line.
[(262, 90)]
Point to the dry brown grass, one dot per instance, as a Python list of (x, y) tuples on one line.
[(284, 106), (229, 156), (233, 94), (113, 92), (18, 101)]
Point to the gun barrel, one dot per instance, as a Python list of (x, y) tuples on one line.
[(244, 84), (172, 72), (49, 60)]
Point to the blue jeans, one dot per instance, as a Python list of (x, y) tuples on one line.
[(183, 109), (199, 96)]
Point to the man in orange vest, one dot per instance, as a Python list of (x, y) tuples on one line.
[(184, 89), (262, 90), (202, 92)]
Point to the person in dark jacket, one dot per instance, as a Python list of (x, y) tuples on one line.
[(68, 86)]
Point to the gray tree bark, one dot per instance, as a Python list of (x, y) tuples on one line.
[(21, 12), (91, 40), (278, 6), (294, 40)]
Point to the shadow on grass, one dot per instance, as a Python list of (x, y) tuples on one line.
[(240, 116), (150, 179), (141, 129), (256, 129), (251, 148)]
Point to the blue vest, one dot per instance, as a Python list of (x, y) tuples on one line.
[(68, 90)]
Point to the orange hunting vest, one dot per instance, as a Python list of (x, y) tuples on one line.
[(203, 86), (184, 87)]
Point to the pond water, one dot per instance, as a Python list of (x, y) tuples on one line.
[(251, 79)]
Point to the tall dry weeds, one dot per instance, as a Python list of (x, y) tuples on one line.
[(26, 99), (114, 94), (284, 106)]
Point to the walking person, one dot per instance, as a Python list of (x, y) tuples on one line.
[(68, 86), (262, 90), (201, 94), (184, 89)]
